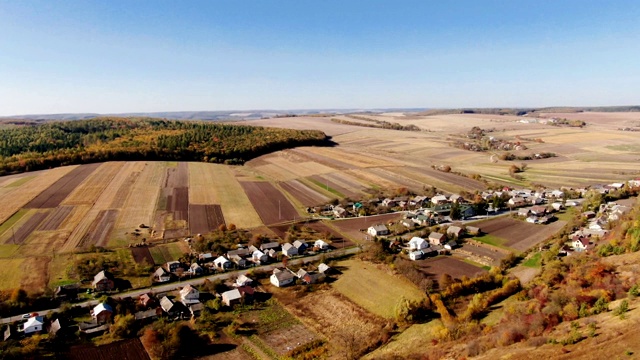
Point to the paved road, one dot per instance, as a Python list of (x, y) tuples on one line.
[(197, 281)]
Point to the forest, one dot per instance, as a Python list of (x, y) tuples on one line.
[(42, 146)]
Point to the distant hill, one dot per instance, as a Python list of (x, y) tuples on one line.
[(524, 111)]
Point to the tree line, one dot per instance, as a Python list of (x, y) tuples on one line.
[(42, 146)]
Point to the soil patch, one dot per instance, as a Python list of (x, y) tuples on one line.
[(124, 190), (303, 194), (271, 205), (142, 254), (520, 235), (59, 190), (204, 218), (434, 268), (127, 349), (356, 228), (56, 218), (98, 233), (20, 235)]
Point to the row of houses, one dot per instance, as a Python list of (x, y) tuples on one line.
[(585, 238), (285, 276)]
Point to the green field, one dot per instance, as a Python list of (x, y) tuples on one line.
[(567, 215), (327, 188), (166, 252), (11, 273), (491, 240), (375, 290), (12, 220), (415, 337), (534, 261)]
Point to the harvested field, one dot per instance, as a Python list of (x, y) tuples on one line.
[(204, 218), (202, 177), (123, 184), (131, 349), (327, 183), (352, 227), (305, 195), (12, 273), (59, 190), (178, 203), (142, 254), (519, 235), (100, 229), (436, 267), (56, 218), (335, 317), (88, 192), (272, 206), (380, 293), (449, 178), (35, 273), (22, 233)]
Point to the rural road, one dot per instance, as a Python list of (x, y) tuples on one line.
[(197, 281)]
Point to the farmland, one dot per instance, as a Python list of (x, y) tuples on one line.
[(516, 234)]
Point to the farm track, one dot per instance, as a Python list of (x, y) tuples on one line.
[(56, 218), (58, 191)]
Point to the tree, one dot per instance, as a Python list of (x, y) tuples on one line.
[(122, 326), (455, 212)]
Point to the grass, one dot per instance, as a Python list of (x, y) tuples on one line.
[(20, 181), (58, 270), (567, 215), (414, 337), (166, 252), (327, 188), (275, 317), (12, 273), (491, 240), (534, 261), (379, 293), (6, 251), (12, 220)]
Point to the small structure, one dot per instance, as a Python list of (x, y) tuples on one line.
[(33, 325), (205, 258), (231, 297), (436, 238), (169, 307), (173, 266), (222, 263), (268, 246), (416, 255), (539, 210), (378, 230), (102, 313), (147, 300), (240, 262), (243, 280), (581, 243), (148, 314), (439, 199), (189, 295), (67, 292), (557, 206), (240, 252), (301, 246), (282, 278), (259, 257), (55, 327), (451, 245), (418, 243), (289, 250), (320, 245), (103, 281), (473, 230), (195, 269), (454, 231), (324, 268), (160, 275)]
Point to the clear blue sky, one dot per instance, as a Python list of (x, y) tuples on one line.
[(126, 56)]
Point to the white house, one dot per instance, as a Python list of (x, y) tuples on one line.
[(259, 257), (439, 199), (33, 325), (189, 295), (320, 245), (378, 230), (282, 278), (289, 250), (243, 280), (416, 255), (418, 243), (222, 263), (231, 297), (581, 243)]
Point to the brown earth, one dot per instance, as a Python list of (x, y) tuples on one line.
[(57, 217), (333, 185), (124, 190), (519, 235), (436, 267), (303, 194), (461, 181), (142, 254), (131, 349), (100, 229), (36, 274), (270, 204), (204, 218), (59, 190), (352, 227), (20, 235), (178, 203)]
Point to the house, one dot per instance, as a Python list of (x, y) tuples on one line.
[(246, 292), (160, 275), (451, 245), (588, 214), (388, 202), (102, 313), (418, 243), (536, 200), (439, 199), (239, 261), (557, 206), (272, 245), (169, 307), (55, 327), (146, 300), (195, 269), (416, 255), (473, 230), (289, 250), (240, 253), (33, 325), (524, 212), (408, 223), (196, 309), (103, 281), (189, 295), (272, 253), (339, 212), (581, 243), (466, 211), (231, 297), (205, 258), (455, 198), (259, 257), (243, 280), (320, 245), (323, 268), (222, 263), (301, 246), (436, 238), (312, 277), (282, 278), (173, 266), (378, 230), (539, 210), (454, 231), (300, 273), (423, 220), (516, 201)]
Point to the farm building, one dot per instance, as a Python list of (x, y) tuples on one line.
[(323, 268), (408, 223), (271, 245), (451, 245), (538, 210), (240, 252), (173, 266), (189, 295), (240, 262), (312, 277), (282, 278), (67, 292), (169, 306), (439, 199), (418, 243), (454, 231), (102, 313), (301, 246), (33, 325), (160, 275), (148, 314), (103, 281), (205, 258), (378, 230), (436, 238), (320, 245), (222, 263), (473, 230), (231, 297), (289, 250), (243, 280), (524, 212)]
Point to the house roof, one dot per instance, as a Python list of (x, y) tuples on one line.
[(436, 236), (270, 245), (299, 244), (166, 304), (287, 246), (243, 279), (473, 229), (102, 307), (283, 275), (320, 243), (160, 272), (195, 266), (379, 227), (239, 252), (301, 273), (55, 327), (220, 259), (454, 230), (246, 290), (34, 321), (101, 276), (188, 290), (231, 295), (323, 267), (257, 254)]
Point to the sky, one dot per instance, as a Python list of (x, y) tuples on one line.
[(147, 56)]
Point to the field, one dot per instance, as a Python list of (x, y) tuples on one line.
[(272, 206), (374, 289), (126, 349), (516, 234), (161, 254), (436, 267), (352, 227), (414, 337)]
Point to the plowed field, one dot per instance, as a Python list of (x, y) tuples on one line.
[(56, 218), (303, 194), (204, 218), (23, 232), (59, 190), (269, 202)]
